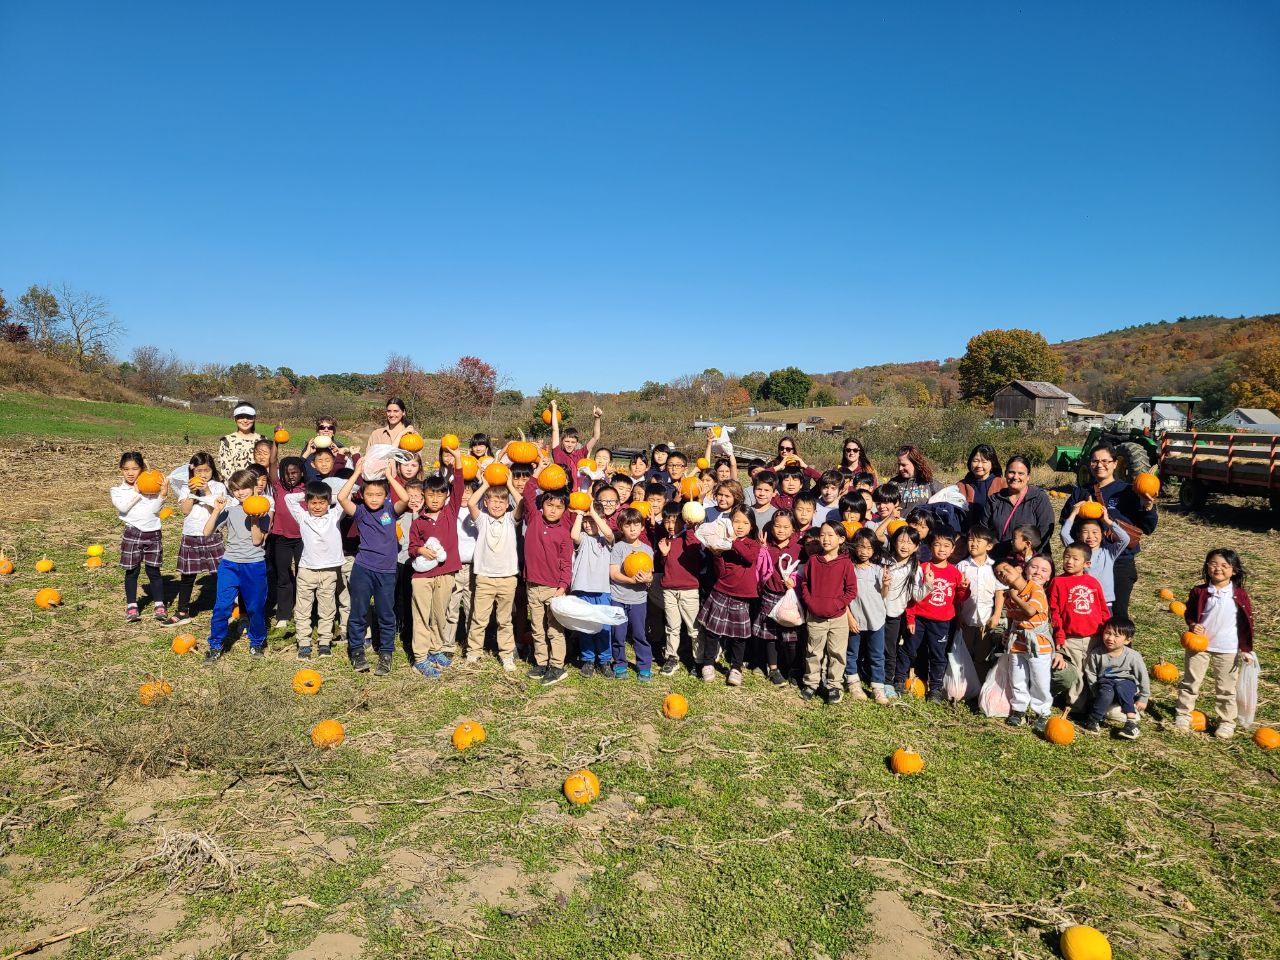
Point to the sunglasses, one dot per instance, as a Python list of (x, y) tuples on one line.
[(787, 449), (852, 449)]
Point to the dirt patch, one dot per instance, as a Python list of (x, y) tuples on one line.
[(331, 946), (506, 885), (899, 933)]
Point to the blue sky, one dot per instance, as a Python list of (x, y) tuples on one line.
[(594, 195)]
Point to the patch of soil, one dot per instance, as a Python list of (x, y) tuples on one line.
[(206, 937), (899, 933), (331, 946)]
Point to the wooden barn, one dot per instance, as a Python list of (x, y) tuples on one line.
[(1031, 401)]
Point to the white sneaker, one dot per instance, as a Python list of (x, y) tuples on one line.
[(1225, 731), (1182, 725), (509, 664), (474, 656)]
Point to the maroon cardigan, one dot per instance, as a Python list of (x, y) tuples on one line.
[(1199, 596)]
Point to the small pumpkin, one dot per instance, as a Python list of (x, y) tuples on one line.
[(546, 417), (411, 442), (580, 500), (587, 465), (94, 550), (704, 463), (256, 506), (44, 565), (1267, 738), (328, 734), (450, 441), (693, 512), (1198, 721), (690, 489), (850, 527), (716, 431), (577, 789), (905, 762), (92, 563), (48, 598), (1147, 484), (183, 643), (165, 513), (1080, 942), (675, 706), (153, 691), (1165, 672), (1091, 510), (467, 734), (149, 482), (553, 478), (1166, 594), (281, 436), (235, 612), (638, 562), (495, 474), (894, 525), (915, 687), (1178, 608), (307, 683), (6, 566), (470, 467), (1195, 642), (592, 781), (1060, 730), (640, 506)]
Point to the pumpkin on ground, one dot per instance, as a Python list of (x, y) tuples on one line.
[(256, 506), (1166, 594), (1267, 738), (1165, 672), (1195, 642), (581, 787), (693, 512), (154, 690), (1080, 942), (327, 734), (281, 436), (495, 474), (93, 550), (411, 442), (675, 706), (1198, 721), (467, 734), (149, 482), (553, 478), (1178, 608), (1147, 484), (450, 441), (1060, 730), (637, 562), (307, 682), (905, 762), (580, 500), (183, 643), (44, 565), (92, 563), (1091, 510), (48, 598), (592, 781), (6, 566), (915, 687)]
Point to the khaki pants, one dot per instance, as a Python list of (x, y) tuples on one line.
[(1226, 674), (318, 589), (1074, 651), (464, 586), (681, 606), (430, 611), (494, 595), (829, 637), (344, 596), (548, 635)]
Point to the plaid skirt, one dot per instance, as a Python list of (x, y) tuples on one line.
[(726, 616), (767, 628), (199, 554), (141, 547)]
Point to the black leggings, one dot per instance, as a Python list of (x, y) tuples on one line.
[(185, 586), (1125, 575), (285, 554), (735, 647), (780, 654), (155, 584)]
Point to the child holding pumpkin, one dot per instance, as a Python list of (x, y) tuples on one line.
[(1220, 610), (681, 580), (1078, 611), (566, 448), (1030, 642), (779, 642), (432, 589), (197, 553), (138, 505), (726, 613), (629, 581), (243, 569)]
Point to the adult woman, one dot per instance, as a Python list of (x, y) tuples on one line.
[(1019, 504), (397, 425), (789, 454), (327, 429), (914, 478), (1126, 507), (854, 458), (982, 480), (235, 450)]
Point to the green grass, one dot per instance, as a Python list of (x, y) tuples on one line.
[(27, 414)]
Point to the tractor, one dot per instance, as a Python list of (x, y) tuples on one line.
[(1138, 448)]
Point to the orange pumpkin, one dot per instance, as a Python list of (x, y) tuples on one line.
[(704, 463), (690, 489), (495, 474), (92, 563), (1267, 738), (1147, 484), (44, 565), (637, 562), (235, 612), (411, 442), (546, 417), (1178, 608), (1080, 942), (587, 465), (915, 687), (470, 467), (165, 513), (467, 734), (1166, 594), (553, 478), (1198, 721), (183, 643), (450, 441), (1091, 510), (675, 706), (6, 566), (281, 436), (905, 762), (578, 788), (307, 683), (592, 781), (149, 482), (522, 451), (155, 690), (640, 506), (256, 506), (1195, 642), (328, 734), (850, 527), (48, 598), (1165, 672), (894, 525), (580, 500), (1059, 730)]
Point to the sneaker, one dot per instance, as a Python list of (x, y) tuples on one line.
[(440, 659), (619, 671), (670, 666), (936, 696), (708, 673), (536, 672), (850, 681), (177, 619), (553, 675), (162, 615), (325, 650), (474, 656), (304, 653), (735, 677), (358, 661), (1040, 725), (855, 688), (212, 656), (384, 665), (1015, 719), (427, 669), (1130, 730), (776, 678), (257, 651), (588, 671), (644, 676), (509, 664), (1182, 725), (879, 694), (1090, 725), (131, 614), (807, 693), (890, 692), (1225, 730), (834, 696)]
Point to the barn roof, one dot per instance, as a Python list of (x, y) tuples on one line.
[(1043, 389)]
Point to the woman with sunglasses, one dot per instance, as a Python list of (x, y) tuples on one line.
[(788, 453), (327, 428), (854, 458), (235, 450)]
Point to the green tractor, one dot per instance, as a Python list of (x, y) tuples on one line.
[(1138, 448)]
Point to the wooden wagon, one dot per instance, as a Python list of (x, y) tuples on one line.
[(1237, 464)]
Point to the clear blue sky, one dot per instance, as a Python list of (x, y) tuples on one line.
[(669, 186)]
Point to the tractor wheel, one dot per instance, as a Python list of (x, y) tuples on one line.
[(1192, 494), (1136, 458)]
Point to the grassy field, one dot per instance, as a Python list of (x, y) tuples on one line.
[(30, 414), (760, 826)]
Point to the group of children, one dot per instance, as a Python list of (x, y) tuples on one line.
[(814, 577)]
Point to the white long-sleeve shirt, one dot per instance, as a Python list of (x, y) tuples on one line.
[(135, 510), (193, 525), (321, 539)]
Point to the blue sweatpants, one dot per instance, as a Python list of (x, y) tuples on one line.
[(637, 614), (595, 648), (249, 582), (1109, 690), (365, 585)]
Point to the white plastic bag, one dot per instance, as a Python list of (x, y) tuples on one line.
[(574, 613), (997, 692), (951, 495), (716, 534), (422, 564), (961, 679), (1247, 691), (788, 612), (378, 457), (722, 446)]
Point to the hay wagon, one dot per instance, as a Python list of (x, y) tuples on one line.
[(1235, 464)]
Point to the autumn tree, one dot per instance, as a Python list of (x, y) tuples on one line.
[(92, 329), (39, 312), (543, 402), (153, 373), (995, 357), (1258, 384), (789, 386), (753, 383), (466, 387), (403, 378)]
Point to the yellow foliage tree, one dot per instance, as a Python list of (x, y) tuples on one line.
[(1259, 381)]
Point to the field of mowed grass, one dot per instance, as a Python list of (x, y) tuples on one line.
[(29, 414), (759, 826)]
